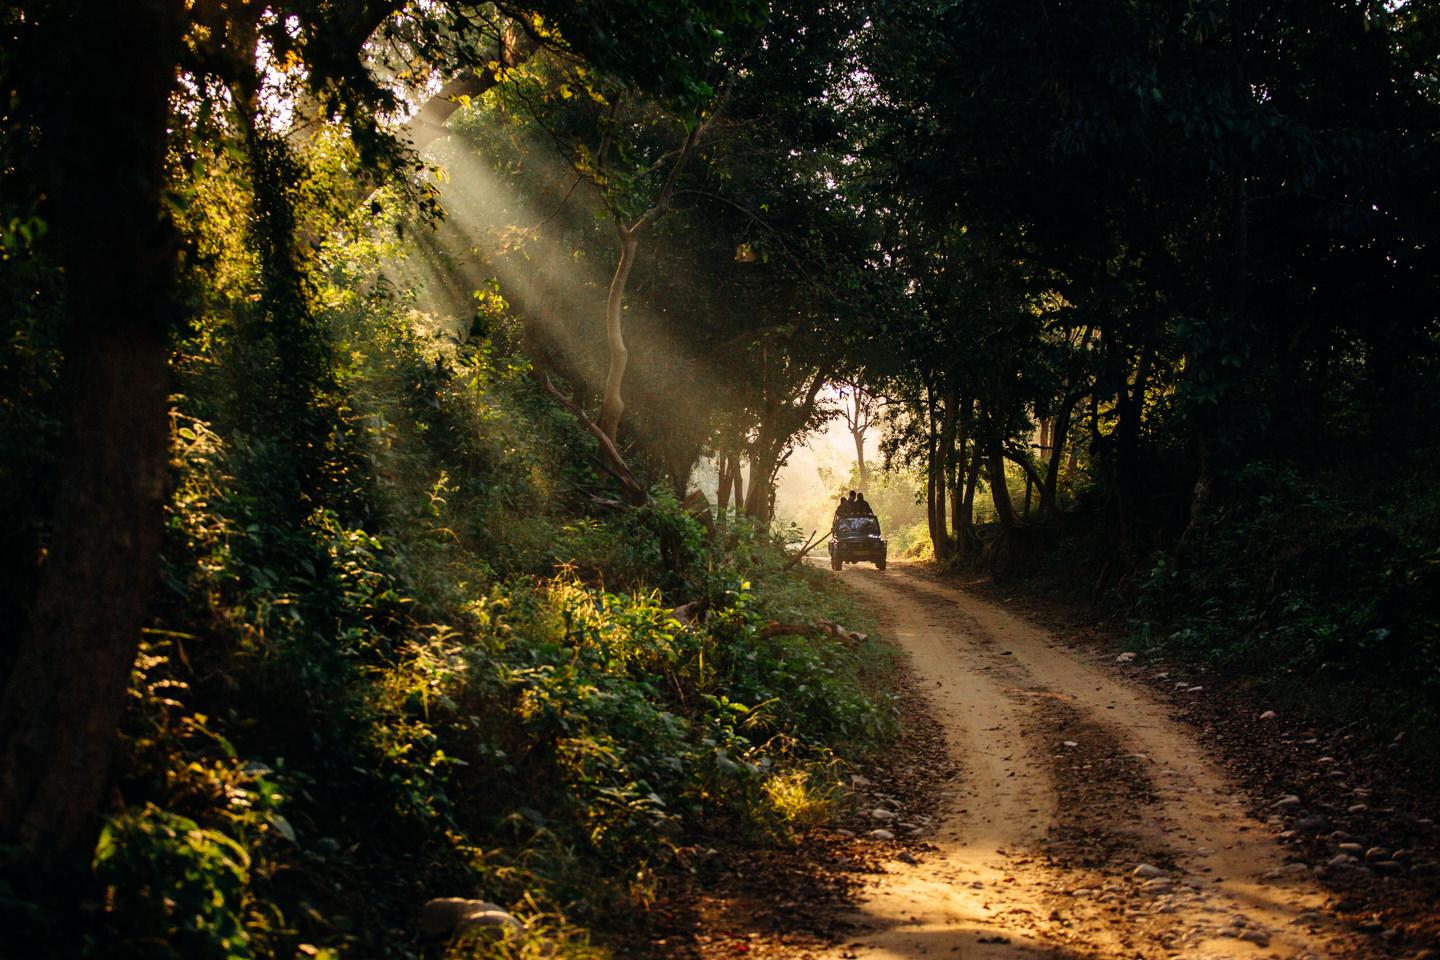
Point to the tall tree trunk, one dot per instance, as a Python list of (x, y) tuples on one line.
[(739, 480), (782, 415), (960, 515), (65, 694), (858, 411), (764, 451), (967, 505), (934, 482), (722, 482), (1059, 431), (859, 438), (946, 478), (767, 457), (612, 403), (999, 487), (764, 464)]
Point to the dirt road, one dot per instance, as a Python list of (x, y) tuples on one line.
[(1085, 822)]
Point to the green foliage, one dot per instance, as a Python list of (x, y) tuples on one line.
[(184, 887), (455, 658), (659, 537), (1304, 589), (404, 644)]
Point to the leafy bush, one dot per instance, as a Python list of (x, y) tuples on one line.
[(455, 673), (1302, 587), (185, 887), (403, 647)]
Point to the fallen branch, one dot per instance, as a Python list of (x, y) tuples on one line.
[(820, 628), (810, 544), (777, 629), (840, 632)]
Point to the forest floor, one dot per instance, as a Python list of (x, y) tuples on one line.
[(1055, 796)]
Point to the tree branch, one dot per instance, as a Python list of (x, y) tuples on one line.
[(811, 544), (667, 190), (610, 459), (1022, 459)]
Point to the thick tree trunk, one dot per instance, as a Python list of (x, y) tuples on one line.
[(763, 453), (967, 505), (767, 457), (934, 480), (961, 519), (759, 500), (783, 414), (65, 694), (947, 460)]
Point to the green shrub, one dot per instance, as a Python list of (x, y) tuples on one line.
[(397, 606), (179, 889), (1300, 587)]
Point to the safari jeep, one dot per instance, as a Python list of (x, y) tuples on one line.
[(854, 539)]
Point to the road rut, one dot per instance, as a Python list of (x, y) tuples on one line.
[(1086, 822)]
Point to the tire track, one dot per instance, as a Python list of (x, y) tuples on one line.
[(1073, 779)]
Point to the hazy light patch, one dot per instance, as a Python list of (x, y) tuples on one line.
[(547, 285), (818, 471), (526, 240), (529, 242), (810, 483)]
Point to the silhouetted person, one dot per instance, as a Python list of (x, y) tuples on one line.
[(861, 506)]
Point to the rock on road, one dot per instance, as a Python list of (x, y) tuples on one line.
[(1086, 822)]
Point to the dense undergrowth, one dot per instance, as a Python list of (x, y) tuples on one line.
[(1315, 592), (1327, 600), (404, 650)]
